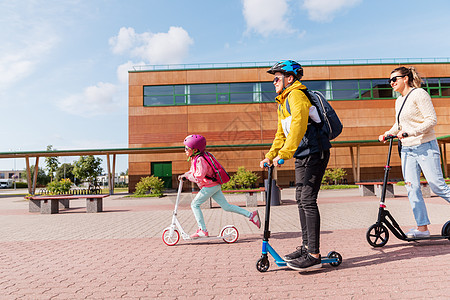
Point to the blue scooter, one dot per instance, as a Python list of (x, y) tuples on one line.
[(262, 265)]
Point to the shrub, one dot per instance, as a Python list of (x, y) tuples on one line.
[(61, 187), (333, 176), (150, 185), (242, 179)]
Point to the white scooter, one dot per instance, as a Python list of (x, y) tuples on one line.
[(171, 235)]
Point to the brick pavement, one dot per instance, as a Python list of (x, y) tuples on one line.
[(119, 253)]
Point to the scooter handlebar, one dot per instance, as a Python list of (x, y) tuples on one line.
[(390, 137), (280, 162)]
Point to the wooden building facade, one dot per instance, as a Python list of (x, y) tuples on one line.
[(167, 105)]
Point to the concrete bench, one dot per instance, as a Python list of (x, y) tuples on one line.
[(375, 189), (425, 188), (52, 204), (251, 197)]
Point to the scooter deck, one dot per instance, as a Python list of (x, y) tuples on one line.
[(205, 238), (325, 260), (431, 237)]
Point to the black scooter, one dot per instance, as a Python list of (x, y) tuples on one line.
[(378, 235), (262, 265)]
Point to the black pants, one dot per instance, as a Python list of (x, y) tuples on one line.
[(308, 177)]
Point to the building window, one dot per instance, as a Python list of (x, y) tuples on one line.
[(251, 92)]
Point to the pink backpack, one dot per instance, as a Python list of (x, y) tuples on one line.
[(220, 175)]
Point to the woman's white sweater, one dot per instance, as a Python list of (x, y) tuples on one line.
[(417, 118)]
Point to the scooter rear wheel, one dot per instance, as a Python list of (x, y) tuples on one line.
[(446, 230), (334, 254), (377, 235), (230, 234), (263, 264), (170, 240)]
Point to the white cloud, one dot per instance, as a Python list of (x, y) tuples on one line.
[(122, 71), (123, 41), (95, 100), (267, 17), (325, 10), (158, 48), (20, 59)]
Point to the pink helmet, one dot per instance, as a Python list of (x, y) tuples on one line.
[(195, 141)]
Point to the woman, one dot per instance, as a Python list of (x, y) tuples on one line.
[(416, 118)]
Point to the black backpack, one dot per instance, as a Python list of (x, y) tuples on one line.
[(332, 126)]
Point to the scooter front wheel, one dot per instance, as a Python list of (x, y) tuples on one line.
[(230, 234), (377, 235), (446, 230), (263, 264), (170, 239)]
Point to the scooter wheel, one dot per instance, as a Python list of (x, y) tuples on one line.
[(230, 234), (170, 240), (377, 235), (446, 230), (334, 254), (262, 265)]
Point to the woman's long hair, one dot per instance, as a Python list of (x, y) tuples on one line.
[(414, 79)]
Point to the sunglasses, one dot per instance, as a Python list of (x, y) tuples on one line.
[(394, 79), (276, 79)]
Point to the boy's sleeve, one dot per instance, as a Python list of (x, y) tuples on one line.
[(278, 141), (299, 104), (283, 146)]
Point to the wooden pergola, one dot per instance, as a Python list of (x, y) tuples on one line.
[(354, 146)]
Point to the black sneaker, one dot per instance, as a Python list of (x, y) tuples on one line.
[(299, 252), (305, 263)]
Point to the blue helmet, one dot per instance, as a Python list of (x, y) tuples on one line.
[(288, 67)]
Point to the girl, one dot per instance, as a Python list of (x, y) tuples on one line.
[(415, 116), (194, 146)]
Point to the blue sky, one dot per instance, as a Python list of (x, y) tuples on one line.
[(64, 63)]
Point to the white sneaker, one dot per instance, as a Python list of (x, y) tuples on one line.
[(414, 233)]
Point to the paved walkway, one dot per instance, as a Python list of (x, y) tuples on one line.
[(119, 253)]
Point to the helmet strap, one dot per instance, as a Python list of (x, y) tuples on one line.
[(289, 84)]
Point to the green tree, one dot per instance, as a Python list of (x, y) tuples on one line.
[(51, 163), (42, 178), (88, 168), (65, 171)]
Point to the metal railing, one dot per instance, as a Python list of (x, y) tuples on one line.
[(315, 62)]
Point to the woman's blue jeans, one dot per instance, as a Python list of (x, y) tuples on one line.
[(426, 158), (214, 192)]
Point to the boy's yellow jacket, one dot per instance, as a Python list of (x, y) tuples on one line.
[(291, 127)]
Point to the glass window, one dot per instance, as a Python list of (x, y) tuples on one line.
[(223, 88), (241, 88), (202, 94), (158, 90), (345, 89), (267, 87), (223, 98), (241, 97), (268, 97), (432, 82), (180, 90), (445, 82), (203, 99), (316, 85), (158, 100), (180, 99), (241, 92), (203, 89), (381, 89)]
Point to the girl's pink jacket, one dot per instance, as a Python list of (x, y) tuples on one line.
[(197, 173)]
